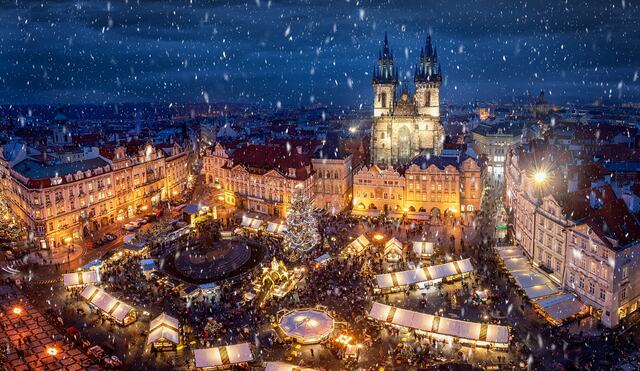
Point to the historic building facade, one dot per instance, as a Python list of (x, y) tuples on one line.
[(333, 178), (61, 203), (428, 187), (409, 125), (259, 178)]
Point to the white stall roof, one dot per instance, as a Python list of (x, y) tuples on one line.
[(538, 291), (561, 306), (426, 274), (273, 227), (393, 245), (227, 355), (248, 222), (105, 302), (440, 325), (423, 247), (358, 245), (81, 278), (281, 366), (163, 327)]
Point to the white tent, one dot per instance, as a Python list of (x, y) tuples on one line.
[(478, 333), (423, 248), (281, 366), (307, 326), (533, 282), (110, 306), (561, 306), (276, 228), (81, 278), (427, 274), (252, 223), (163, 328), (223, 356), (358, 245), (393, 250)]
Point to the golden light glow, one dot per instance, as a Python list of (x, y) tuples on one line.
[(540, 176), (17, 311), (52, 351), (378, 237), (313, 323)]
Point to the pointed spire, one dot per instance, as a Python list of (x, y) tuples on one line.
[(386, 41), (435, 53), (429, 49)]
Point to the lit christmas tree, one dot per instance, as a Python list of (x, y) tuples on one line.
[(302, 230)]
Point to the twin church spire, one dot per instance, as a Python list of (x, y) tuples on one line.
[(427, 70)]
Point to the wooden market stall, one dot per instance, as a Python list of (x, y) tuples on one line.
[(222, 357), (393, 251), (164, 332), (109, 306), (80, 278), (426, 275)]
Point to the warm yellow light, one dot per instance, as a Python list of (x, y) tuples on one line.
[(361, 206), (540, 176), (312, 323), (52, 351), (17, 311), (378, 237)]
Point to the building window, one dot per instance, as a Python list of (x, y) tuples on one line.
[(603, 295), (581, 283), (591, 288)]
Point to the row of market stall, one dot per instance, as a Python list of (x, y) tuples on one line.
[(427, 275), (112, 308), (255, 224), (393, 248), (226, 356), (472, 333), (552, 303)]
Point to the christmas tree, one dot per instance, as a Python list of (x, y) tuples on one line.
[(302, 230)]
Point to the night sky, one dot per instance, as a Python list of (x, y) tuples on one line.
[(293, 52)]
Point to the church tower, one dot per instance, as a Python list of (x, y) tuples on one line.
[(385, 81), (427, 79)]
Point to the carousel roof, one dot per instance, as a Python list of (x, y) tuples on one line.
[(306, 323)]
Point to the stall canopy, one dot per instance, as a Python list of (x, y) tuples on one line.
[(561, 306), (358, 245), (281, 366), (81, 278), (322, 258), (163, 328), (276, 228), (148, 265), (393, 246), (478, 332), (94, 264), (111, 306), (423, 248), (535, 283), (252, 223), (307, 326), (223, 356), (426, 274)]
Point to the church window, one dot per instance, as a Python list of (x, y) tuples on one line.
[(383, 98), (427, 99)]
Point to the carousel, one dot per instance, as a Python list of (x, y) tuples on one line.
[(306, 326)]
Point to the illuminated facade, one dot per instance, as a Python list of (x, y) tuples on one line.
[(433, 186), (63, 202), (258, 178), (409, 126)]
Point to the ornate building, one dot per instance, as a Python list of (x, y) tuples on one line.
[(428, 187), (408, 126)]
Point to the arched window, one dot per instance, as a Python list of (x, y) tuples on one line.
[(383, 98), (427, 99)]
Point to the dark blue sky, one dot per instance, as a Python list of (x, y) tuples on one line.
[(312, 51)]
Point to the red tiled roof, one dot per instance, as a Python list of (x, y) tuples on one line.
[(611, 219), (264, 158)]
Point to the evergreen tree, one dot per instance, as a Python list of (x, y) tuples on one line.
[(302, 230)]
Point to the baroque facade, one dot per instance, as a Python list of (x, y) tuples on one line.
[(409, 125), (428, 187), (61, 203)]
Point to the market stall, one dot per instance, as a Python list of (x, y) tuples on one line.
[(559, 308), (251, 223), (109, 306), (427, 275), (393, 250), (81, 278), (423, 249), (281, 366), (307, 326), (164, 332), (357, 246), (277, 229), (477, 334), (148, 266), (219, 357)]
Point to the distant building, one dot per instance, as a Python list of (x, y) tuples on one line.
[(333, 177), (493, 142)]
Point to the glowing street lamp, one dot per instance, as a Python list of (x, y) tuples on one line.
[(52, 351), (540, 176), (378, 237), (17, 311)]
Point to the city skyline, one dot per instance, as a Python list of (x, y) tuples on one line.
[(275, 53)]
